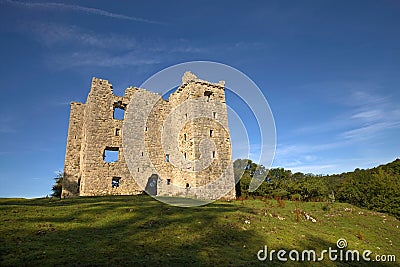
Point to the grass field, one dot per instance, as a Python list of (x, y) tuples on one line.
[(140, 231)]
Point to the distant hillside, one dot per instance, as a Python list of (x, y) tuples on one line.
[(376, 189), (140, 231)]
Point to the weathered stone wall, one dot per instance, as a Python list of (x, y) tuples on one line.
[(183, 142), (92, 130), (73, 153)]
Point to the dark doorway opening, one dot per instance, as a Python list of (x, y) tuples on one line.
[(151, 186)]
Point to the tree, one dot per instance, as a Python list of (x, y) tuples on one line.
[(57, 187), (314, 187)]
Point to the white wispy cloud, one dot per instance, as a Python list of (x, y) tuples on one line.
[(70, 35), (305, 158), (69, 46), (287, 150), (372, 114), (89, 10), (366, 97), (102, 59), (364, 115), (368, 131), (368, 115)]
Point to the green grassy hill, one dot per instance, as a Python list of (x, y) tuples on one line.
[(139, 231)]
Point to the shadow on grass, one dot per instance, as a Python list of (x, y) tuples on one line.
[(135, 231), (139, 231)]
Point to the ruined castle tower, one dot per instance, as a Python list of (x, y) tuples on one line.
[(121, 145)]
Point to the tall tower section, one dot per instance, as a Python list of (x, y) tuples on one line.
[(188, 141)]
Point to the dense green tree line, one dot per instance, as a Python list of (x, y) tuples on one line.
[(376, 189)]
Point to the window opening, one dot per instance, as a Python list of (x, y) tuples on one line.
[(207, 94), (110, 154), (119, 110), (119, 114), (115, 182)]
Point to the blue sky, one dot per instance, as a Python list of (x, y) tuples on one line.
[(330, 71)]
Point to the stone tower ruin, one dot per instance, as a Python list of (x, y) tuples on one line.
[(123, 145)]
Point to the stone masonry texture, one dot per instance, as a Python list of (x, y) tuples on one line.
[(179, 146)]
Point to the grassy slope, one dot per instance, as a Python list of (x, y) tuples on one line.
[(138, 231)]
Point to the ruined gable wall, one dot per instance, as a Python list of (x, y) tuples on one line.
[(72, 170), (103, 132)]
